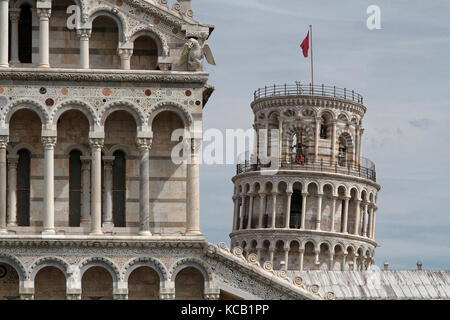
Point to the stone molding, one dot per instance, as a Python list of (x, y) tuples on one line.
[(93, 75), (322, 102)]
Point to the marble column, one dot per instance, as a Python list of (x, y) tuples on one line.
[(303, 221), (193, 187), (262, 200), (364, 226), (357, 146), (331, 262), (288, 210), (144, 145), (345, 222), (96, 185), (316, 140), (125, 58), (319, 210), (357, 230), (4, 25), (108, 223), (271, 254), (44, 38), (49, 185), (86, 191), (370, 222), (301, 256), (14, 16), (333, 214), (84, 35), (236, 212), (3, 145), (333, 143), (250, 211), (274, 210), (286, 258), (12, 187), (242, 212), (374, 222)]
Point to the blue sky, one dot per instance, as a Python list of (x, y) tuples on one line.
[(403, 72)]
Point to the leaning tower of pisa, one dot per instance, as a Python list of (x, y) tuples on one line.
[(316, 208)]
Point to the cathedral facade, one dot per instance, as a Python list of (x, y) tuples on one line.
[(92, 205)]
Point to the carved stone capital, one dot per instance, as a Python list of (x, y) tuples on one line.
[(144, 143), (96, 143), (44, 13), (84, 34), (4, 142), (13, 160), (48, 142), (14, 15), (125, 54)]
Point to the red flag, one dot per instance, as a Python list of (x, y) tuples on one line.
[(305, 46)]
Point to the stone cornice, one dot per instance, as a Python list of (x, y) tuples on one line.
[(254, 233), (101, 242), (306, 173), (311, 101), (73, 75)]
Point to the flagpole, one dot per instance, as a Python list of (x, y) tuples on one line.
[(312, 60)]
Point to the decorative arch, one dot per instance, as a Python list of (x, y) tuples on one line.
[(21, 146), (149, 262), (16, 264), (329, 112), (83, 149), (25, 103), (296, 127), (75, 104), (179, 109), (305, 242), (43, 262), (106, 263), (346, 134), (124, 105), (118, 147), (112, 13), (160, 39), (333, 189), (194, 263)]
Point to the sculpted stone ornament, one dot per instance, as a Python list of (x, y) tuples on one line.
[(193, 54)]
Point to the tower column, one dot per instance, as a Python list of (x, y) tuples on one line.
[(356, 146), (356, 230), (242, 212), (288, 210), (12, 187), (3, 145), (333, 214), (144, 145), (44, 17), (319, 210), (333, 143), (374, 221), (346, 202), (262, 200), (301, 256), (370, 221), (274, 209), (236, 212), (316, 142), (250, 211), (14, 16), (331, 261), (49, 183), (364, 231), (86, 191), (108, 223), (286, 258), (4, 25), (96, 185), (303, 221)]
